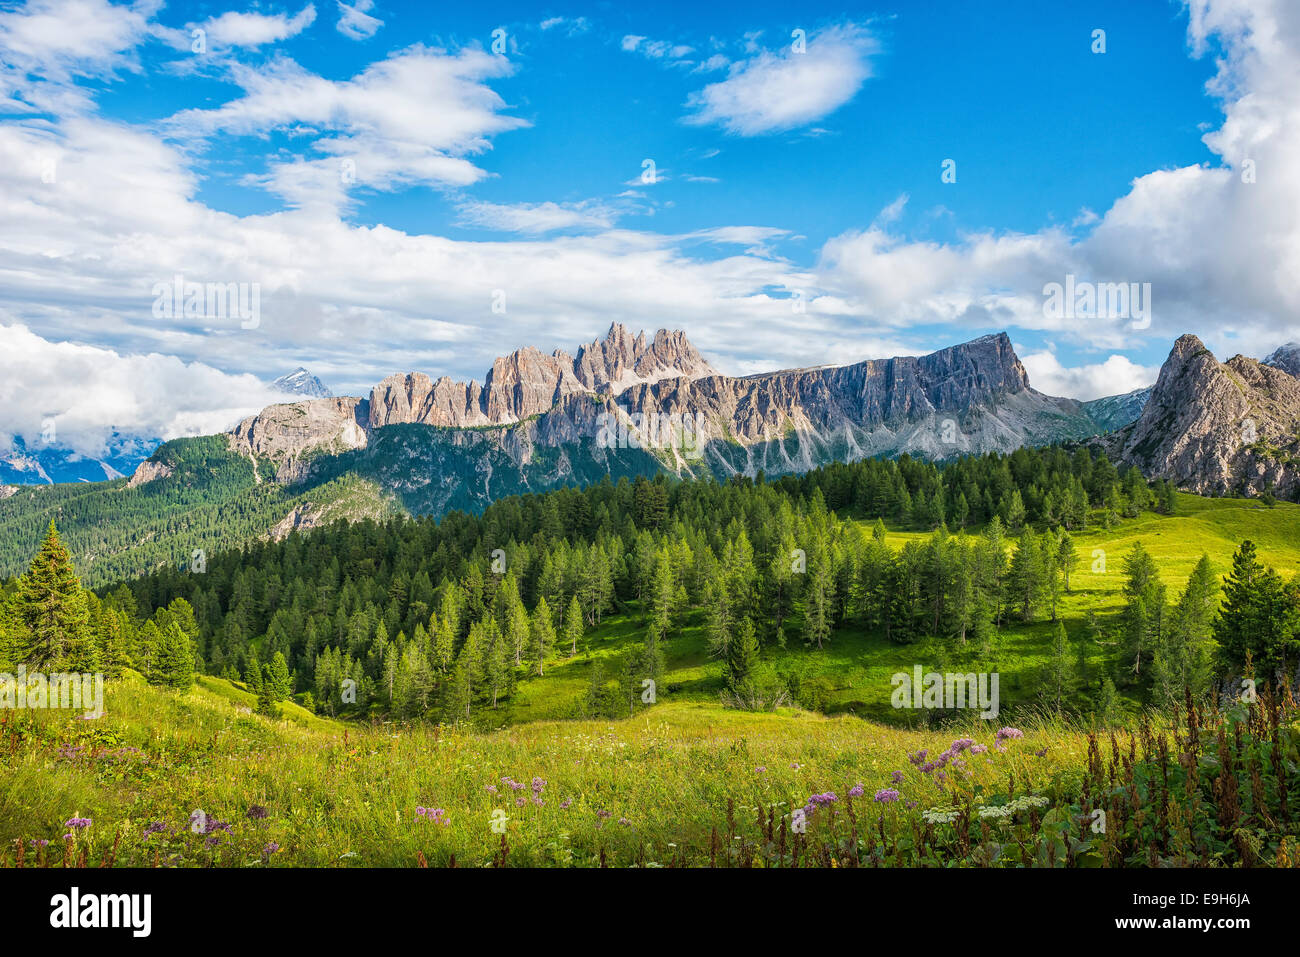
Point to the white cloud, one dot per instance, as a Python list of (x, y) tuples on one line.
[(384, 134), (775, 92), (88, 393), (1115, 376), (355, 21), (47, 44), (252, 30)]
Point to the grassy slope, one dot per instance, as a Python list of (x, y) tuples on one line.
[(857, 666), (336, 800)]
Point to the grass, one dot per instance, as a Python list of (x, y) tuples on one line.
[(852, 673), (683, 782), (341, 795)]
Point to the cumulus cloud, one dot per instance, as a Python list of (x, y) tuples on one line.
[(88, 393), (48, 44), (252, 30), (376, 129), (1115, 376), (774, 92)]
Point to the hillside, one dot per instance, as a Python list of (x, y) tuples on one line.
[(194, 779)]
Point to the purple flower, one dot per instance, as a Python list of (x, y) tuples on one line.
[(155, 828), (761, 770), (817, 800), (270, 849), (538, 785), (1004, 733), (856, 791), (887, 795), (257, 812), (897, 777), (77, 822), (491, 789), (1041, 754), (919, 757), (565, 803), (520, 802), (624, 821), (978, 748)]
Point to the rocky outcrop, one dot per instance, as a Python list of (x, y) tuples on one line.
[(286, 434), (528, 382), (147, 471), (1217, 428)]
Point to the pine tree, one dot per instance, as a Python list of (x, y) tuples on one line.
[(742, 658), (1059, 672), (543, 635), (175, 663), (277, 678), (573, 625), (52, 614)]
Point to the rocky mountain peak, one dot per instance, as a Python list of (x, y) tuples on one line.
[(302, 382), (1217, 428), (1286, 358), (528, 382)]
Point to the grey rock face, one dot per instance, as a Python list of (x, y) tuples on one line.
[(1217, 428)]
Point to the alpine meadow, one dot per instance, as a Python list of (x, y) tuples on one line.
[(753, 437)]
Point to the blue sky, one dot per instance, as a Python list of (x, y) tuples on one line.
[(385, 171)]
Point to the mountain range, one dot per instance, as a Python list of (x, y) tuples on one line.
[(632, 405)]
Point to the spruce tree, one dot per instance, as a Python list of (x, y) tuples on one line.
[(573, 625), (52, 615), (174, 666), (742, 658)]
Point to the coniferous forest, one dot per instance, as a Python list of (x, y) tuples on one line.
[(441, 619)]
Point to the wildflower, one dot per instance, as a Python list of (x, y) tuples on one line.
[(919, 758), (538, 785), (887, 795), (520, 802), (257, 812), (565, 803), (856, 791), (624, 821), (761, 770), (491, 789), (1004, 733), (36, 843), (270, 849), (1041, 754), (602, 814), (897, 777), (77, 822), (978, 748), (155, 828)]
